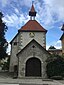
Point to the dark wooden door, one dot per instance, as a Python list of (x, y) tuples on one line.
[(33, 67)]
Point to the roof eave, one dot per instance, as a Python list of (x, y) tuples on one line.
[(32, 31), (14, 38)]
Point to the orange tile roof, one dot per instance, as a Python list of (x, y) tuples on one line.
[(32, 25)]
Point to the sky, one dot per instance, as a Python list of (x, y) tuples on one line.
[(50, 14)]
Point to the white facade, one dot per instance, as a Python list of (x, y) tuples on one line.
[(25, 38)]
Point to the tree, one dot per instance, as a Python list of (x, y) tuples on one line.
[(55, 66), (5, 64), (3, 42)]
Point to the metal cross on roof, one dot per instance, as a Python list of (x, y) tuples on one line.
[(32, 2)]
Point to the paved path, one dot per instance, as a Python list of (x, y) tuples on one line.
[(61, 81), (9, 84), (6, 78), (29, 82)]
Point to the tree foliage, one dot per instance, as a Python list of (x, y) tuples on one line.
[(6, 64), (3, 42), (55, 66)]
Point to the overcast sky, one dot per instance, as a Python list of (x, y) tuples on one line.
[(50, 14)]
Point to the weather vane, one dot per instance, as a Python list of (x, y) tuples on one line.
[(32, 2)]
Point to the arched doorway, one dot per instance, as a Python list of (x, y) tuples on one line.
[(33, 67)]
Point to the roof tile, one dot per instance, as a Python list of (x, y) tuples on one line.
[(32, 25)]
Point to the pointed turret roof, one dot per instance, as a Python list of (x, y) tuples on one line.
[(32, 12), (32, 9)]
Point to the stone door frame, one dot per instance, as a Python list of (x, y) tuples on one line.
[(21, 71), (27, 74)]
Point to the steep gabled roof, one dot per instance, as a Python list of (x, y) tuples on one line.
[(33, 25)]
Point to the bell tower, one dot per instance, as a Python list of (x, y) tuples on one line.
[(32, 13), (62, 39)]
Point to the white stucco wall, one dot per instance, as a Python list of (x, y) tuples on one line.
[(40, 37)]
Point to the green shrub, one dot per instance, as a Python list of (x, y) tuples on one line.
[(55, 66)]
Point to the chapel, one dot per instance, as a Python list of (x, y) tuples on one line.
[(28, 49)]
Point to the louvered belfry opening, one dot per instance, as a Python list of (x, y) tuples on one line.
[(33, 67)]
